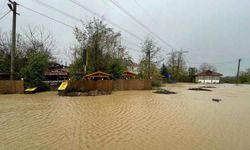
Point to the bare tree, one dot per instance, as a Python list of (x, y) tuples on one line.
[(36, 39), (176, 64), (150, 55), (102, 43), (5, 46), (206, 66), (33, 43)]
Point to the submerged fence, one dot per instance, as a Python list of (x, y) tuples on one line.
[(86, 85), (111, 85), (11, 87)]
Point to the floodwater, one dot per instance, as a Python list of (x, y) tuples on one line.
[(128, 120)]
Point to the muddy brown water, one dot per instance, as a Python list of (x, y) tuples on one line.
[(127, 120)]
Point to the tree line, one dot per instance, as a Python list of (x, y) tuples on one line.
[(32, 55), (98, 47), (244, 78)]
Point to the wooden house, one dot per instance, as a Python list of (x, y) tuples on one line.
[(128, 75), (55, 75)]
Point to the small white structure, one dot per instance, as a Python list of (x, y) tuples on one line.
[(208, 76), (135, 68)]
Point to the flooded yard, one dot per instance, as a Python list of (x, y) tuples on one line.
[(128, 120)]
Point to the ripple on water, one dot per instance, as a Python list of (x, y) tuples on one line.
[(127, 120)]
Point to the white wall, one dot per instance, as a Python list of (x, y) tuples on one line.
[(208, 79), (134, 69)]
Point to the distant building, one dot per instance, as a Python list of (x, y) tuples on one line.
[(55, 75), (56, 72), (208, 76), (135, 68), (128, 75)]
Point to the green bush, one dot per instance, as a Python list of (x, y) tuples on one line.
[(116, 69), (32, 73), (156, 83)]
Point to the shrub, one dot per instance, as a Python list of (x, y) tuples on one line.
[(156, 83)]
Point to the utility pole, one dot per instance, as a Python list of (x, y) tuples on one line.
[(13, 7), (149, 63), (238, 71), (85, 60)]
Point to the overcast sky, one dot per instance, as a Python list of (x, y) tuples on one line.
[(213, 31)]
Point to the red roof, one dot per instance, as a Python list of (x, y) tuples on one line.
[(128, 73), (208, 73), (98, 74)]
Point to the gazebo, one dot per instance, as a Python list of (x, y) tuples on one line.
[(128, 75), (98, 75)]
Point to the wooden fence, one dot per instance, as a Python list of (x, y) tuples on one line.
[(11, 87), (111, 85), (17, 86), (86, 85)]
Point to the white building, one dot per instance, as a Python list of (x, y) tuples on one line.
[(135, 68), (208, 76)]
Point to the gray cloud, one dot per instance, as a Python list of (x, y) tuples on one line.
[(213, 31)]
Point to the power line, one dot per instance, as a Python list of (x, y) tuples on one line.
[(72, 17), (140, 23), (225, 62), (56, 20), (215, 63), (149, 14), (5, 15), (107, 20), (4, 2), (131, 43), (57, 10), (177, 52), (134, 49)]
